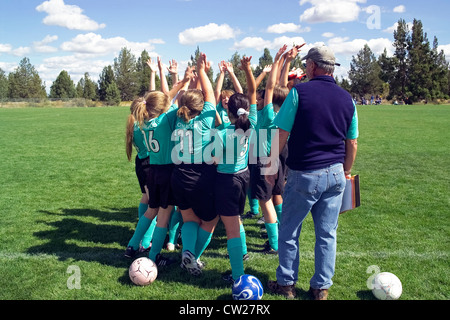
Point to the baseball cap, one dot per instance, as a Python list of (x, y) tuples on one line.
[(322, 54)]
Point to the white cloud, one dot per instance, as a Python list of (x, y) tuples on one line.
[(393, 28), (342, 45), (400, 9), (287, 27), (260, 44), (328, 34), (207, 33), (446, 48), (8, 66), (42, 46), (68, 16), (5, 48), (21, 51), (93, 44), (331, 11)]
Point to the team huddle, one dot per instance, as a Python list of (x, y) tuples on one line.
[(203, 151), (200, 152)]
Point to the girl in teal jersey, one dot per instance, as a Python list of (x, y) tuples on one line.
[(192, 177), (232, 170), (157, 130)]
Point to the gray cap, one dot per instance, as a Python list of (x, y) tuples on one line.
[(322, 54)]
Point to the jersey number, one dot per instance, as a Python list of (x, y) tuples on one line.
[(152, 144), (186, 135)]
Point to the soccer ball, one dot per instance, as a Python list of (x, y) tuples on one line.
[(247, 287), (143, 271), (387, 286)]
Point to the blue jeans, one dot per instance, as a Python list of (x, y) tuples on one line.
[(319, 192)]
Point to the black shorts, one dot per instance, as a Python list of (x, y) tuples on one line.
[(231, 193), (262, 190), (193, 187), (141, 167), (159, 186)]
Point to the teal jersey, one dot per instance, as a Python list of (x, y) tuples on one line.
[(192, 138), (264, 128), (235, 145), (223, 116), (139, 142), (157, 136), (286, 116)]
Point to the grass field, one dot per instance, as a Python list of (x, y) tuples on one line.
[(69, 200)]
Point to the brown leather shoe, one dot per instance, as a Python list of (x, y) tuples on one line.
[(319, 294), (286, 291)]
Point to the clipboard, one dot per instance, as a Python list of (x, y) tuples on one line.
[(351, 198)]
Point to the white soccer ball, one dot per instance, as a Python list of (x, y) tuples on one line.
[(143, 271), (387, 286)]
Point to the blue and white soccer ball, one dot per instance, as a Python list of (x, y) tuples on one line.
[(247, 287)]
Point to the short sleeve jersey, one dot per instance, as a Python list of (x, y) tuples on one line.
[(192, 138), (157, 136), (236, 145)]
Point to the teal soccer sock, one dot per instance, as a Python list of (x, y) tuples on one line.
[(174, 224), (189, 233), (278, 210), (203, 240), (253, 203), (234, 246), (272, 233), (141, 209), (141, 227), (147, 238), (243, 239), (158, 241)]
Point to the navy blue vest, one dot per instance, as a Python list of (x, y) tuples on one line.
[(325, 112)]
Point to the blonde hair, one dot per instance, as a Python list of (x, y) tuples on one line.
[(191, 104), (157, 103), (225, 94), (138, 113)]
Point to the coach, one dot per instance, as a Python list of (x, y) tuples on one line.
[(320, 120)]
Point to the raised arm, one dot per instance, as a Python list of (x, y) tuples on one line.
[(219, 83), (183, 84), (237, 86), (205, 84), (272, 80), (263, 74), (164, 85), (152, 66), (251, 83), (289, 56), (173, 71)]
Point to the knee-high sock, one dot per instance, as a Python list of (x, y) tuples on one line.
[(189, 233), (243, 239), (147, 238), (203, 240), (158, 241), (278, 209), (174, 225), (234, 246), (253, 203), (141, 209), (141, 227), (272, 233)]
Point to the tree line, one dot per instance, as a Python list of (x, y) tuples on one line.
[(416, 71)]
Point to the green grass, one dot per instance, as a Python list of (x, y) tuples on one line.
[(68, 197)]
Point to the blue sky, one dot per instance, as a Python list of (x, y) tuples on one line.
[(86, 35)]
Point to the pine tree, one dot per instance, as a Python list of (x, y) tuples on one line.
[(25, 82), (265, 60), (63, 87), (388, 66), (86, 88), (3, 85), (106, 78), (126, 75), (399, 83), (364, 73)]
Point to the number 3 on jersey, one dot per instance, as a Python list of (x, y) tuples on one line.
[(152, 144)]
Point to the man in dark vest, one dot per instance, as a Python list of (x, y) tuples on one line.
[(319, 122)]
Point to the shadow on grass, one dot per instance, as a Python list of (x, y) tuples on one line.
[(70, 234)]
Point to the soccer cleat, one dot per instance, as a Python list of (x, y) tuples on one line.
[(261, 220), (268, 249), (189, 263), (162, 261), (130, 252), (249, 215)]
